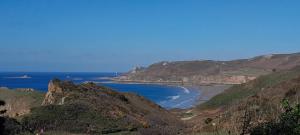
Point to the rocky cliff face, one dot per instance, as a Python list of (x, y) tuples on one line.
[(53, 94), (224, 72)]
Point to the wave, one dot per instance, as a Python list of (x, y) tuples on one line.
[(19, 77), (174, 97), (187, 91)]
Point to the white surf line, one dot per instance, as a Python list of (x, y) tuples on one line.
[(19, 77), (174, 97), (187, 91)]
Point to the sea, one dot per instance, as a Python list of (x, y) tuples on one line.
[(167, 96)]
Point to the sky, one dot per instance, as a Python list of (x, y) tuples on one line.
[(116, 35)]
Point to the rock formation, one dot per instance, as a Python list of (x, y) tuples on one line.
[(55, 93), (93, 109)]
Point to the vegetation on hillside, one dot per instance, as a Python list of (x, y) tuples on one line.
[(74, 118), (20, 100), (288, 122), (250, 108), (255, 107), (241, 91), (91, 109)]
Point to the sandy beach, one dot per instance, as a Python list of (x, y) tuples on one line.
[(207, 92)]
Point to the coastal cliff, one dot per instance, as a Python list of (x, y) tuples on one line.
[(55, 92), (91, 109), (212, 72)]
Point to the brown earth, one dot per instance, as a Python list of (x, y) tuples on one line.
[(210, 72), (19, 101)]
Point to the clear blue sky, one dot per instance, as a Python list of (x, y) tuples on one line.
[(115, 35)]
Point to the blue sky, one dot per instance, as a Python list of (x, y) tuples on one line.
[(115, 35)]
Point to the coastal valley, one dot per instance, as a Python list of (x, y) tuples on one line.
[(149, 67), (261, 97)]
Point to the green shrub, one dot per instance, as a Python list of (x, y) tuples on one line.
[(288, 123), (77, 117)]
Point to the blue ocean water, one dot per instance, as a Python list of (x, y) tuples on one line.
[(167, 96)]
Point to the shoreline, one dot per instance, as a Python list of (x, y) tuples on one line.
[(127, 81), (179, 83), (200, 93), (143, 81), (206, 91)]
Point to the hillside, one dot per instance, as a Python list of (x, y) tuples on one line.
[(246, 106), (213, 72), (68, 108), (91, 109), (238, 92), (19, 101)]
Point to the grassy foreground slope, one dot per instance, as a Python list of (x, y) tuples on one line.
[(19, 101), (238, 92), (243, 108)]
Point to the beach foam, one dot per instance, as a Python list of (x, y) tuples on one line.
[(174, 97), (187, 91), (19, 77)]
